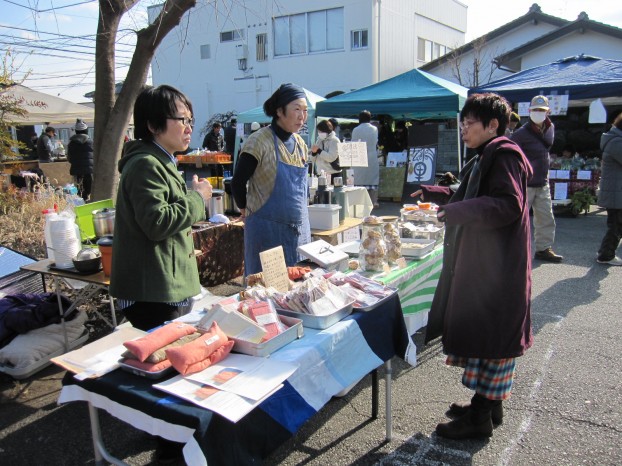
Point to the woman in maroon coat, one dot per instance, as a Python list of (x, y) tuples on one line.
[(482, 302)]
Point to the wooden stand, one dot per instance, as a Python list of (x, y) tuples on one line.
[(332, 236)]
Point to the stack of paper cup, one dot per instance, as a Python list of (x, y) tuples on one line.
[(65, 242)]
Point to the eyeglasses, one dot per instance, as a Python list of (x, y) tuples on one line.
[(184, 120), (466, 124)]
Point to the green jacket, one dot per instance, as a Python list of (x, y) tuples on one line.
[(153, 252)]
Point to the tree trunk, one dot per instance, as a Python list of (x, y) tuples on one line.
[(112, 115)]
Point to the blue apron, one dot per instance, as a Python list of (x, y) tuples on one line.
[(283, 220)]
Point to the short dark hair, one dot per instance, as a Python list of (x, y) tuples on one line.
[(486, 107), (50, 129), (217, 125), (364, 116), (334, 122), (153, 106), (325, 126)]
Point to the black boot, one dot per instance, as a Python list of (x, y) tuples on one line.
[(460, 408), (476, 423)]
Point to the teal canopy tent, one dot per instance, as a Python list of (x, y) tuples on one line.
[(413, 95), (257, 114)]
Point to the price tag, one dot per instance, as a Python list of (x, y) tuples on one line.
[(274, 268)]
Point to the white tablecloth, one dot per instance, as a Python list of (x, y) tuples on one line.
[(358, 202)]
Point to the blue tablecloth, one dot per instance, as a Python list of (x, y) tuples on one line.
[(330, 360)]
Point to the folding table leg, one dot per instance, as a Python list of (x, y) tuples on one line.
[(101, 453), (374, 394), (389, 424)]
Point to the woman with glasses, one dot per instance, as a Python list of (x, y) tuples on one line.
[(481, 306), (154, 270), (270, 181)]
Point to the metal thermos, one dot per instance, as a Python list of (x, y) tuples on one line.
[(322, 195), (340, 197), (216, 204), (230, 205)]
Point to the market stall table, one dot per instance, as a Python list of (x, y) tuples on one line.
[(95, 283), (329, 361), (416, 284)]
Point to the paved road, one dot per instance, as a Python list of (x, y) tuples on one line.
[(565, 408)]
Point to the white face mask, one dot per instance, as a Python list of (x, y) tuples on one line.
[(321, 135), (537, 117)]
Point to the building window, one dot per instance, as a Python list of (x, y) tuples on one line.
[(358, 39), (205, 52), (261, 42), (316, 31), (229, 36), (428, 50)]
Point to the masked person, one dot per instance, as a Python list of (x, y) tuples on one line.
[(535, 138), (325, 150), (273, 166)]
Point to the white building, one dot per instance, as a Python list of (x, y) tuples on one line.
[(530, 40), (232, 55)]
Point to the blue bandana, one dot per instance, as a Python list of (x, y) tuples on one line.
[(287, 93)]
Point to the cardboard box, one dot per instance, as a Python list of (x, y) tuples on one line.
[(324, 216)]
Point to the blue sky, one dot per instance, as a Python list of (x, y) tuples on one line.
[(56, 38)]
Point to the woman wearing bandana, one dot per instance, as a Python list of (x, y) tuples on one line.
[(269, 184)]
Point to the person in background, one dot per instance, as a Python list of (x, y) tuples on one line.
[(513, 125), (213, 140), (535, 138), (336, 128), (254, 126), (45, 146), (324, 152), (368, 177), (32, 146), (401, 136), (273, 164), (482, 304), (80, 156), (610, 195), (230, 133)]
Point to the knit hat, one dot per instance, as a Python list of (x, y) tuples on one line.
[(255, 126), (80, 125)]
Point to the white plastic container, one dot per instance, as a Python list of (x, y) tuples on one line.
[(49, 215), (324, 216), (65, 242)]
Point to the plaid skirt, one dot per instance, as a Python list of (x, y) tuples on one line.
[(491, 378)]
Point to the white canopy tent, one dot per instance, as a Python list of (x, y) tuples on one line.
[(53, 110)]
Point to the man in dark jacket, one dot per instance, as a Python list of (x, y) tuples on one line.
[(230, 132), (535, 138), (213, 140), (80, 156), (45, 148)]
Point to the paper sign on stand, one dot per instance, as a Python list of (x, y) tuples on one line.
[(274, 269), (352, 154), (584, 175)]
